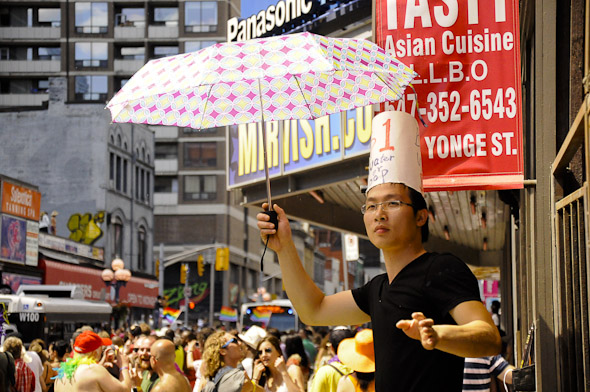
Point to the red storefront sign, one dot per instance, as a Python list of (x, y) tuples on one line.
[(467, 55), (139, 292), (20, 201)]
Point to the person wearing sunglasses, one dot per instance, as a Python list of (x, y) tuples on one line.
[(223, 353), (271, 373), (426, 310)]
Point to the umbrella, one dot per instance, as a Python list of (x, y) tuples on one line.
[(297, 76)]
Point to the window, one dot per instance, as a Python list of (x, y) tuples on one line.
[(91, 54), (119, 82), (200, 16), (200, 154), (166, 16), (42, 86), (4, 54), (49, 53), (49, 17), (132, 53), (112, 164), (193, 46), (124, 176), (142, 184), (166, 184), (141, 249), (166, 150), (92, 18), (164, 51), (91, 88), (130, 17), (117, 237), (200, 188)]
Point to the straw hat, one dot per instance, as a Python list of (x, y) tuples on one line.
[(54, 213), (253, 336), (358, 353)]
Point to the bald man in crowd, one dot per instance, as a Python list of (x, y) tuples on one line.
[(162, 361)]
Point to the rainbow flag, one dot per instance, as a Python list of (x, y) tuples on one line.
[(260, 316), (170, 314), (228, 314)]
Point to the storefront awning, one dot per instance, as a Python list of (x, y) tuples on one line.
[(139, 292)]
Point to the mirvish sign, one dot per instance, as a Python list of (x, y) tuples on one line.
[(257, 25), (296, 145)]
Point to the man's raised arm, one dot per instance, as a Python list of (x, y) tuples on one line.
[(312, 305)]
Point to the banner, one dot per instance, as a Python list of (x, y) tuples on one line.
[(20, 201), (296, 145), (468, 57)]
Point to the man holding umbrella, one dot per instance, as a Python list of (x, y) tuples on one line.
[(425, 310)]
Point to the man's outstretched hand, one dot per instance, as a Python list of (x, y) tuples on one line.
[(420, 328)]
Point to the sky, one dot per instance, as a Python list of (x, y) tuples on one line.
[(251, 7)]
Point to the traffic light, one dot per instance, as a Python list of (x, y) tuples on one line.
[(222, 259), (200, 265), (158, 268), (183, 269)]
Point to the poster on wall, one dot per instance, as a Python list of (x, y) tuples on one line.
[(467, 55), (13, 239)]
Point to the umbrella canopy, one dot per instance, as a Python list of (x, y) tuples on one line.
[(298, 76)]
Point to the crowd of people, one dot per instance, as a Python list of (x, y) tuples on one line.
[(140, 359), (184, 360)]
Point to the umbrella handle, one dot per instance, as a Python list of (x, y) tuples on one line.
[(274, 218)]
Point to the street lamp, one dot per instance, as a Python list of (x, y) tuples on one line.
[(118, 278)]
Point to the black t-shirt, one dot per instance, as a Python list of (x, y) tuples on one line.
[(432, 284)]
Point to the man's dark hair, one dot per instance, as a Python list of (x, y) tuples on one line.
[(418, 203), (339, 334), (135, 330), (61, 347)]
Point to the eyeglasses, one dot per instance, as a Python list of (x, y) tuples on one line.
[(385, 206), (232, 340), (267, 350)]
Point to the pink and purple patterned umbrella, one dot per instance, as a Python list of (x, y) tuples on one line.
[(298, 76)]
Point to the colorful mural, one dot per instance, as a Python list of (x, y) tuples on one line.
[(86, 229)]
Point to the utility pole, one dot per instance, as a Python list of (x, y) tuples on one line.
[(187, 293), (211, 290)]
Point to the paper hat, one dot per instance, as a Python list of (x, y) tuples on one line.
[(358, 353), (395, 151), (89, 341), (253, 336)]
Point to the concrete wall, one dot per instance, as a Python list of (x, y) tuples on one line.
[(64, 151)]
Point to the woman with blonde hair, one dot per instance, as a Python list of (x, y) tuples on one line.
[(223, 353)]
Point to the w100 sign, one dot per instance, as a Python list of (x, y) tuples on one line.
[(29, 317)]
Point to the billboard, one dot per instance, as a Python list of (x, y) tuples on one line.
[(20, 201), (296, 145), (467, 55)]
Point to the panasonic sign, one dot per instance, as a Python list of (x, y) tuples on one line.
[(266, 20)]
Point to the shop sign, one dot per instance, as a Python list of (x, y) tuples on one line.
[(296, 145), (274, 16), (138, 292), (68, 246), (13, 239), (20, 201), (467, 54)]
